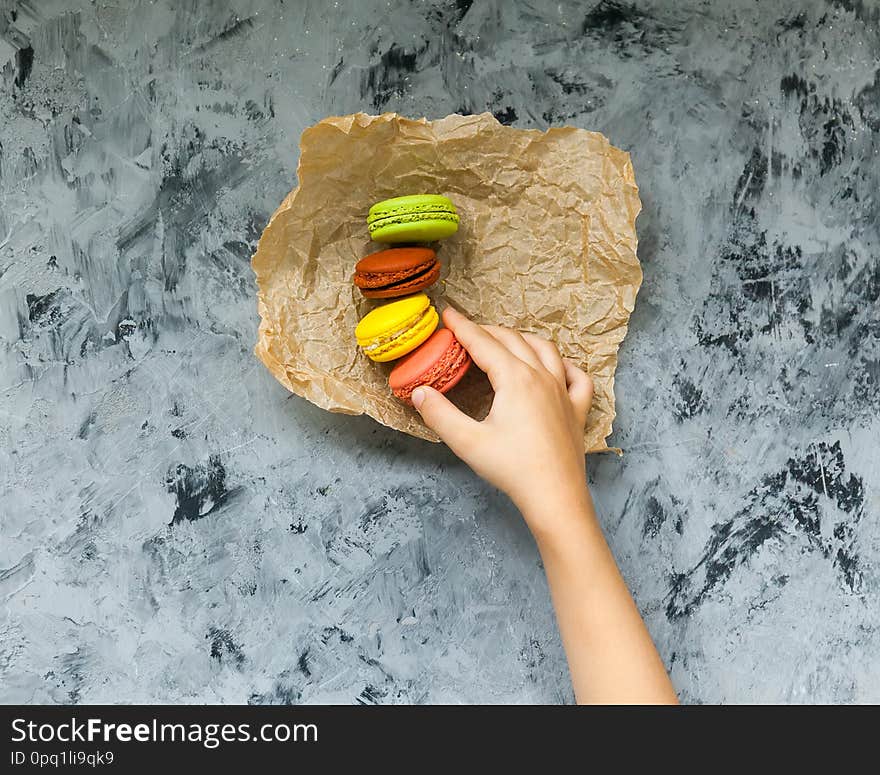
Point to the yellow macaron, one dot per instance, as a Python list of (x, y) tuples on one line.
[(393, 330)]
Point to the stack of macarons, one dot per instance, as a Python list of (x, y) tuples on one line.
[(407, 326)]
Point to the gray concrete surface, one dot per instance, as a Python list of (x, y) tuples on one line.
[(174, 527)]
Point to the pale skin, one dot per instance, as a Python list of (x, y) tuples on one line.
[(541, 404)]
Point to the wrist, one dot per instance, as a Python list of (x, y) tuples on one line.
[(561, 521)]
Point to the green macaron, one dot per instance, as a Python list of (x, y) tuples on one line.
[(415, 218)]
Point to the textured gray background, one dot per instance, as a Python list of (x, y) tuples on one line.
[(175, 527)]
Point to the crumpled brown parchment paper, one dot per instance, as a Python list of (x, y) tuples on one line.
[(546, 243)]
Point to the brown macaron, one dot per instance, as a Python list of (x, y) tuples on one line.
[(396, 272)]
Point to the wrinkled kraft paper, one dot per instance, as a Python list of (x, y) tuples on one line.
[(546, 243)]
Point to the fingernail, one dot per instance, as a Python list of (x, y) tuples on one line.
[(418, 397)]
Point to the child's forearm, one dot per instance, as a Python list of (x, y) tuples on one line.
[(540, 405), (610, 653)]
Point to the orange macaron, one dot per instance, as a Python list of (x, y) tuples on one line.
[(440, 363)]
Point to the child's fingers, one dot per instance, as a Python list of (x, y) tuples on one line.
[(580, 390), (445, 419), (514, 342), (549, 355), (488, 353)]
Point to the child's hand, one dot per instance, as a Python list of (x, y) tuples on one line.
[(532, 443)]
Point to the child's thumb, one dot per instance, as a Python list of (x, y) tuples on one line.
[(443, 417)]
